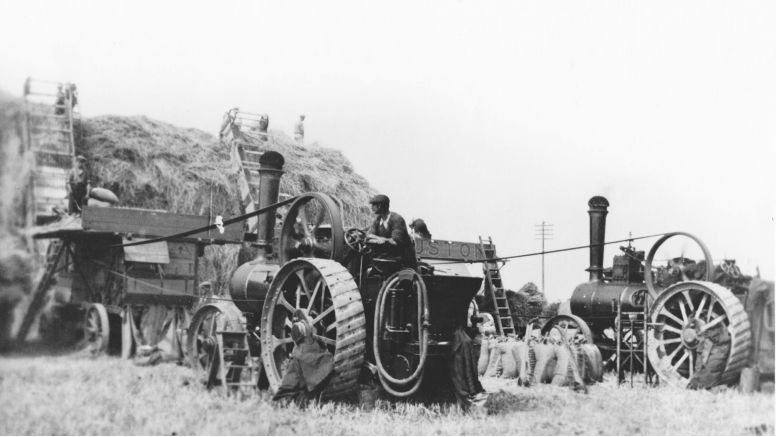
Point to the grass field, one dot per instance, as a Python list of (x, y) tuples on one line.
[(78, 395)]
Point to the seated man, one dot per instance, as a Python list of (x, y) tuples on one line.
[(388, 234)]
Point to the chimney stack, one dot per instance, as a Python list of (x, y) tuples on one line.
[(598, 210), (270, 171)]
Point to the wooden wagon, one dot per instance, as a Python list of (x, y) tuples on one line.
[(122, 298)]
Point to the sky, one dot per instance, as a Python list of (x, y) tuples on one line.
[(483, 118)]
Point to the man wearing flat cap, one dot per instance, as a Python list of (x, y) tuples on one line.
[(77, 186), (388, 234)]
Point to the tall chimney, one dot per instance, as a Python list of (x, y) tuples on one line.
[(597, 211), (270, 171)]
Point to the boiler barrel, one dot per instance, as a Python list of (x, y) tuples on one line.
[(592, 301), (249, 285)]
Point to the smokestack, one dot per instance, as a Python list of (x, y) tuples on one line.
[(270, 171), (597, 212)]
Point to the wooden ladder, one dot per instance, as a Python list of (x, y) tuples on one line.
[(50, 141), (240, 134), (503, 315), (237, 369)]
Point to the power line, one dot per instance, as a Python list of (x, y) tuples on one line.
[(544, 232)]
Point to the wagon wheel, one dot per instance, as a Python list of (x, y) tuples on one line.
[(316, 296), (202, 338), (96, 328), (686, 311), (300, 236), (649, 280), (569, 326)]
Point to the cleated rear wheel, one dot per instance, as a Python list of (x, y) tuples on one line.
[(321, 295), (686, 311)]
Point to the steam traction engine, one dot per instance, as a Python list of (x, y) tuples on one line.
[(660, 314), (316, 283)]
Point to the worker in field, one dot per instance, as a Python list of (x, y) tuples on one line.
[(388, 234), (299, 130), (78, 186)]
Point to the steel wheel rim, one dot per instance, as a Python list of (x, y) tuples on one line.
[(686, 311), (301, 288), (327, 302)]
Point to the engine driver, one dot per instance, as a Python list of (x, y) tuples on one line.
[(388, 234)]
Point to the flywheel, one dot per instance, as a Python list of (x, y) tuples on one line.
[(685, 313), (319, 294)]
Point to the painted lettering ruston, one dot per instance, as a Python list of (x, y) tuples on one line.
[(448, 250)]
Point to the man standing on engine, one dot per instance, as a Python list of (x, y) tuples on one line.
[(78, 186), (388, 234)]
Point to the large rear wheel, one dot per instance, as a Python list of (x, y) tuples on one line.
[(685, 312), (317, 296)]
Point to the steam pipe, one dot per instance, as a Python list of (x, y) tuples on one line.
[(270, 171), (598, 211)]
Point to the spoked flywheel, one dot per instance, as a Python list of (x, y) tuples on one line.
[(202, 339), (312, 228), (686, 313), (316, 298)]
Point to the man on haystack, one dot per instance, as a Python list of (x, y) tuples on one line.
[(78, 186), (299, 130)]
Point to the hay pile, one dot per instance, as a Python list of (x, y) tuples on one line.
[(155, 165), (151, 164)]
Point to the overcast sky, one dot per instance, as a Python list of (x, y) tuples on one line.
[(484, 118)]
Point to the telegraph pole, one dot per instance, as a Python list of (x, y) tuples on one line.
[(544, 232)]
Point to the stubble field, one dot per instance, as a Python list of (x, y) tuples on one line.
[(47, 395)]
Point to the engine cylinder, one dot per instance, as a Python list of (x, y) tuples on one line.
[(250, 284)]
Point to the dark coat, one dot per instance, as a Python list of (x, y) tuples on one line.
[(396, 230)]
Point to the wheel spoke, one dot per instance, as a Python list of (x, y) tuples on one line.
[(692, 360), (300, 274), (284, 303), (684, 312), (672, 329), (713, 323), (325, 340), (673, 354), (681, 360), (668, 314), (318, 286), (671, 341), (298, 296), (323, 314), (686, 294), (711, 308), (331, 327), (277, 342), (700, 306)]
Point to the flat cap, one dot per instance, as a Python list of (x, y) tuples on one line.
[(380, 198), (80, 158)]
